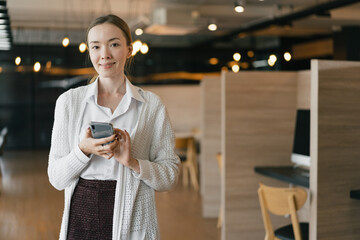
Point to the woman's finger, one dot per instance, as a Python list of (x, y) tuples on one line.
[(105, 140)]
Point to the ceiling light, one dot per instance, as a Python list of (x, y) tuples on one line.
[(212, 27), (239, 6), (144, 48), (213, 61), (235, 68), (37, 67), (287, 56), (237, 56), (82, 47), (272, 60), (17, 61), (48, 65), (250, 54), (139, 31), (136, 47), (65, 41)]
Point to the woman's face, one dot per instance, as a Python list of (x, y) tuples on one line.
[(108, 50)]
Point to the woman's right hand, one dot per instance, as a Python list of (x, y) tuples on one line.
[(90, 145)]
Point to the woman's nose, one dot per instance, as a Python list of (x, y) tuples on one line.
[(105, 53)]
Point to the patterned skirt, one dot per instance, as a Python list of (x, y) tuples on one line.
[(91, 210)]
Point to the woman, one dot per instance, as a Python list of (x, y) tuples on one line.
[(109, 189)]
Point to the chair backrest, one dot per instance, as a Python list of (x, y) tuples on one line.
[(281, 201), (185, 146)]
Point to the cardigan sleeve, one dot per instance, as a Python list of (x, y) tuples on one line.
[(65, 163), (162, 170)]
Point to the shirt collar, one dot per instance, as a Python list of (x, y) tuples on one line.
[(131, 90)]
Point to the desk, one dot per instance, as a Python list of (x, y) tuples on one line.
[(290, 174), (355, 194)]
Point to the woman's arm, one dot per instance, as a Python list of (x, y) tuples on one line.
[(161, 172), (65, 163)]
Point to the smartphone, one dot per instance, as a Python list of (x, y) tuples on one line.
[(101, 130)]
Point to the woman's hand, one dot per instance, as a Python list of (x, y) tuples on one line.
[(90, 145), (122, 152)]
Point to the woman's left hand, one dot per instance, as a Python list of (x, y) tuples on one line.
[(122, 152)]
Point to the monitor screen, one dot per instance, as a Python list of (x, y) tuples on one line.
[(301, 146)]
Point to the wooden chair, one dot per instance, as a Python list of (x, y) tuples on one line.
[(283, 201), (186, 149)]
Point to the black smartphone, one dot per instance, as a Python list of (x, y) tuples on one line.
[(101, 129)]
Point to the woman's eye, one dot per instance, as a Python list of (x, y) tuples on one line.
[(94, 47), (114, 44)]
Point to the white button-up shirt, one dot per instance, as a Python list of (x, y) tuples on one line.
[(124, 117)]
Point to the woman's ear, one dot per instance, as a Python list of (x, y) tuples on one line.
[(130, 51)]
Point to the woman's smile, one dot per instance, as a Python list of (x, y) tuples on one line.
[(107, 65)]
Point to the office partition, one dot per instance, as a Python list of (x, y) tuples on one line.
[(334, 150), (210, 145), (258, 116)]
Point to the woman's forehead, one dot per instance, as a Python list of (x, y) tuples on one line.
[(105, 32)]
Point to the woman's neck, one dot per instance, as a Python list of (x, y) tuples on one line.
[(112, 86)]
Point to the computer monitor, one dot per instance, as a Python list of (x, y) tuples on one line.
[(301, 147)]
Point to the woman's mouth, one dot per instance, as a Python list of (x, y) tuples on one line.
[(107, 65)]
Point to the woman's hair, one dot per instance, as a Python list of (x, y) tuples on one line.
[(122, 25)]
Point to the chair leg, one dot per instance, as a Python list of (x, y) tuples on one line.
[(219, 222), (185, 175), (193, 178)]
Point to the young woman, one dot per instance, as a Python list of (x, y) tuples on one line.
[(109, 188)]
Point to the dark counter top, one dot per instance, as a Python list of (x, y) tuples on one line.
[(355, 194), (295, 175)]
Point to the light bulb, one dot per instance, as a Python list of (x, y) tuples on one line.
[(139, 31), (212, 27), (287, 56), (37, 67), (82, 47), (17, 61), (65, 41), (237, 56)]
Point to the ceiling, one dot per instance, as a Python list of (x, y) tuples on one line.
[(180, 22)]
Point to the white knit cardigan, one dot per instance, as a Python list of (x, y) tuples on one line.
[(152, 145)]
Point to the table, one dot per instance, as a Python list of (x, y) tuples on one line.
[(355, 194), (295, 175)]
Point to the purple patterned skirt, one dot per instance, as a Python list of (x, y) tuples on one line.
[(91, 210)]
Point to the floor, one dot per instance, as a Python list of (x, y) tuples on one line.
[(31, 209)]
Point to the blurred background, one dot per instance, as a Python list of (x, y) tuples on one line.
[(177, 42)]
